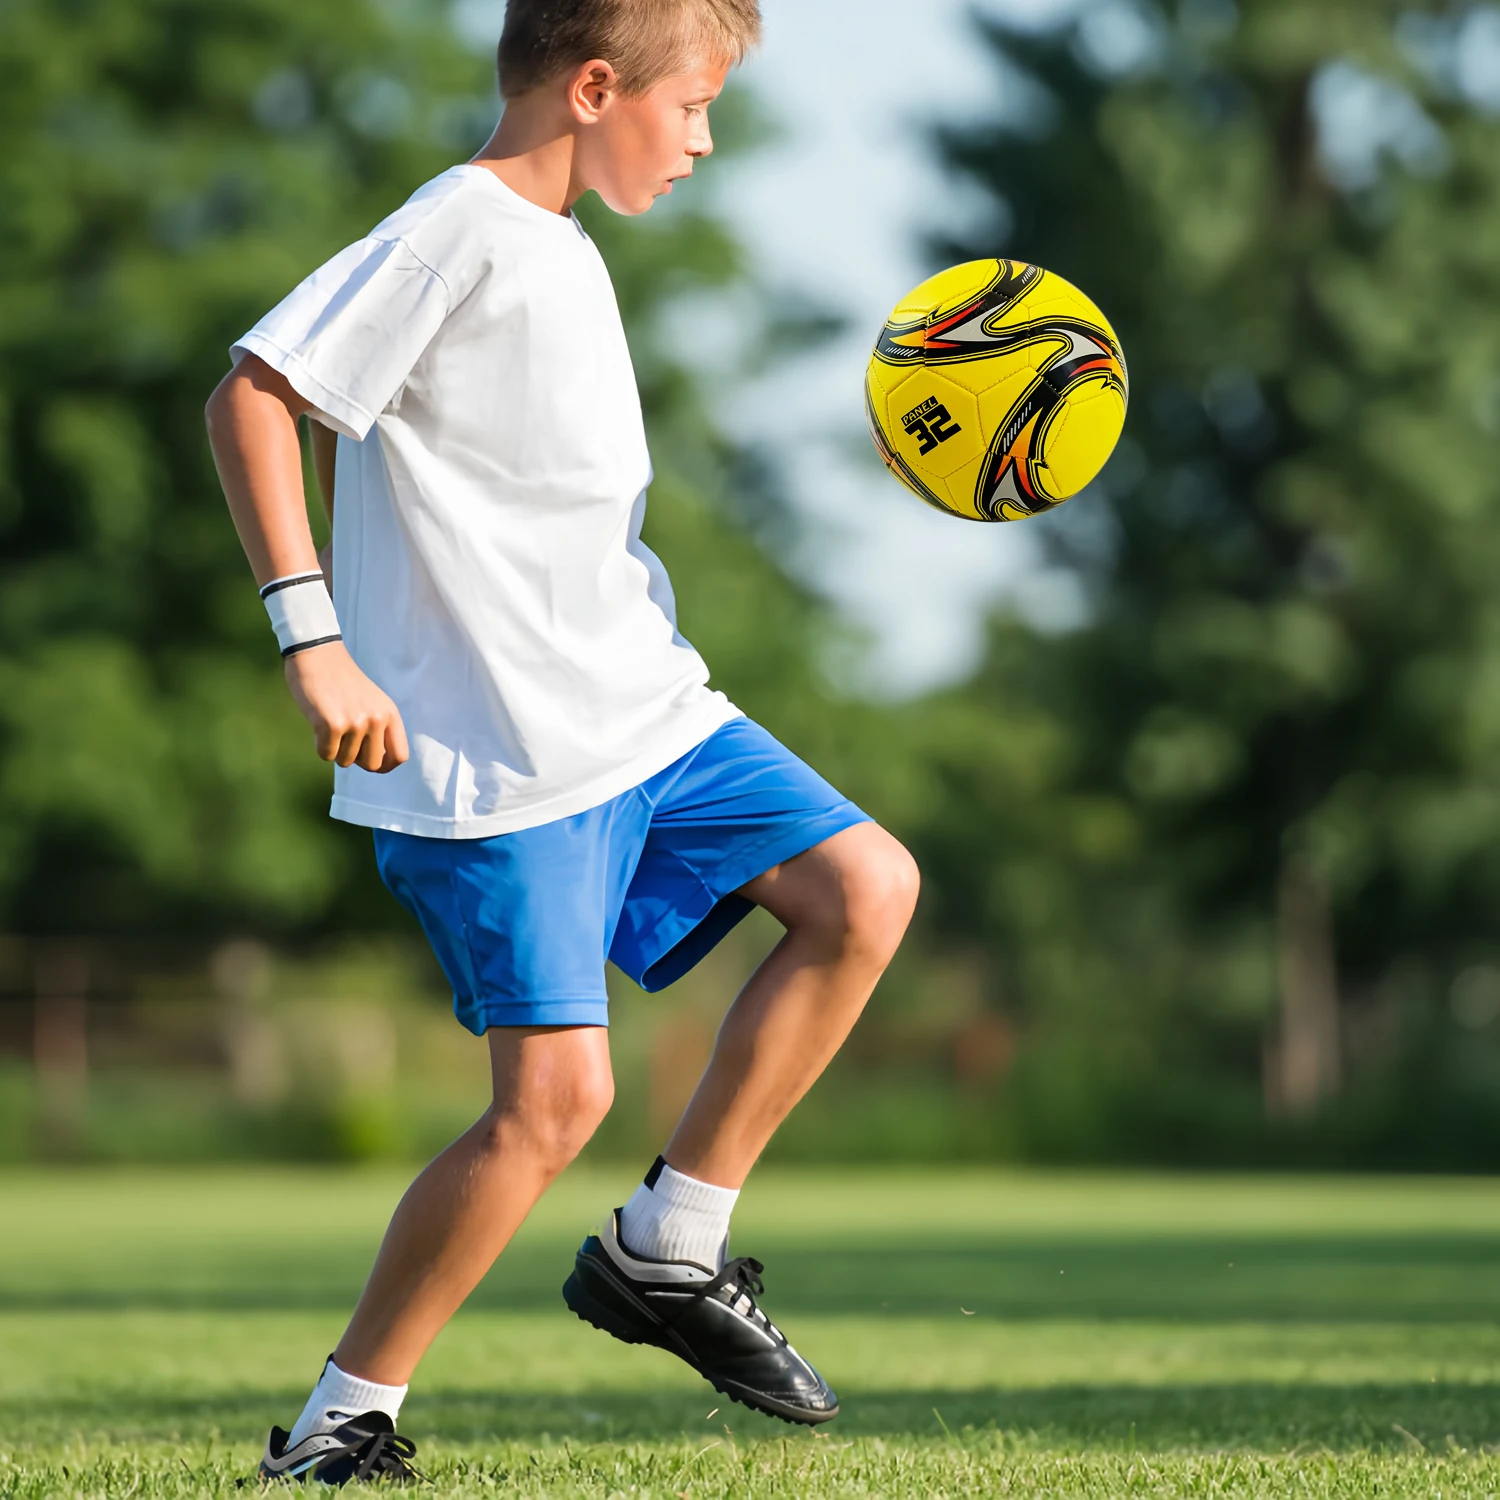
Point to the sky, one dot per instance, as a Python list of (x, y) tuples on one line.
[(837, 209)]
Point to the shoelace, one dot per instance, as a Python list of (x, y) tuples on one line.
[(387, 1455), (743, 1273)]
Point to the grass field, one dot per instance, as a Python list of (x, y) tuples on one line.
[(988, 1334)]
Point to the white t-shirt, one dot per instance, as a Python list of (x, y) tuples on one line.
[(492, 467)]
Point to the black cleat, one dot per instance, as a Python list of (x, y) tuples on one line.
[(710, 1321), (365, 1449)]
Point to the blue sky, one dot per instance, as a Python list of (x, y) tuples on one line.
[(838, 208)]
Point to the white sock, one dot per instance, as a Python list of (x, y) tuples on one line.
[(671, 1216), (337, 1397)]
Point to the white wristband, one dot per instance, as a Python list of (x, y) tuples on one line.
[(301, 612)]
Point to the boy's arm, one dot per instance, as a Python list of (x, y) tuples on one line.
[(252, 427)]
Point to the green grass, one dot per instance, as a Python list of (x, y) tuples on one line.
[(988, 1333)]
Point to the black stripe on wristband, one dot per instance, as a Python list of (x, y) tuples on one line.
[(289, 583), (326, 640)]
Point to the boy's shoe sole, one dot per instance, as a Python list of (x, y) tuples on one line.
[(711, 1323)]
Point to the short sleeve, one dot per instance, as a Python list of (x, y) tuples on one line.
[(348, 336)]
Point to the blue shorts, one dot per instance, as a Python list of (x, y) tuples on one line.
[(522, 923)]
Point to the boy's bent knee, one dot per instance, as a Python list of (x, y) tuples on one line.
[(880, 893), (859, 895)]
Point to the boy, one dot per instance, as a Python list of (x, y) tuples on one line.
[(502, 687)]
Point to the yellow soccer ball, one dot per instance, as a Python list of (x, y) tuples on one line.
[(996, 391)]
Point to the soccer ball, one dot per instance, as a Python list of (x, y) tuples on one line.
[(996, 391)]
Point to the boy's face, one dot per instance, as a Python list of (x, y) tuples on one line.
[(638, 147)]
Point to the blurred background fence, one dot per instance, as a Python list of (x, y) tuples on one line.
[(1211, 831)]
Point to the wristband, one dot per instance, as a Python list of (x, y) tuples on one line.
[(301, 612)]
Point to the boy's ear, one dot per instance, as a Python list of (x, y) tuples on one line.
[(590, 89)]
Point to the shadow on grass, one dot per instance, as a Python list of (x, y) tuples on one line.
[(1255, 1417), (1412, 1278)]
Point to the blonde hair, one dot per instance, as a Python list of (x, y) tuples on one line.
[(643, 40)]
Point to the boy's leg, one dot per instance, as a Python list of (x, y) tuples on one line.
[(552, 1087), (845, 904)]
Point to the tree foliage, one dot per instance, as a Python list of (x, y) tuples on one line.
[(1272, 740), (1285, 691)]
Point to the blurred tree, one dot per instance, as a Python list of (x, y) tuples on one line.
[(168, 170), (1266, 831)]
